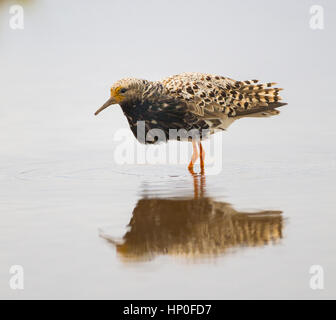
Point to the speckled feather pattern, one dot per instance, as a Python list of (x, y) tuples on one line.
[(206, 93), (196, 101)]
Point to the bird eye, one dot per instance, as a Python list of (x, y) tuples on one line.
[(123, 90)]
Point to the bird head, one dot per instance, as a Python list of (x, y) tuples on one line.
[(124, 91)]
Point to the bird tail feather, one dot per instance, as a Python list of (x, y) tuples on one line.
[(256, 100)]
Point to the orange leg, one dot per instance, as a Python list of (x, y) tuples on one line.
[(194, 157), (199, 184), (202, 156)]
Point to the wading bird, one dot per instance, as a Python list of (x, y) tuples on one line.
[(196, 103)]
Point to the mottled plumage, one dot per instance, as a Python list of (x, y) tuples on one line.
[(196, 102), (193, 101), (211, 95)]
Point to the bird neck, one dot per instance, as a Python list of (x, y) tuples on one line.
[(152, 89)]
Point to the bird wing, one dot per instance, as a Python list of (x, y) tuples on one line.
[(209, 96)]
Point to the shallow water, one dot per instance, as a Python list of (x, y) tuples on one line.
[(83, 226)]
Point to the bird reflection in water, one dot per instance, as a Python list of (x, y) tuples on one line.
[(195, 227)]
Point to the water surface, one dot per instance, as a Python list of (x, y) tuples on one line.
[(83, 226)]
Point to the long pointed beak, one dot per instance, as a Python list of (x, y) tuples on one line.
[(106, 104)]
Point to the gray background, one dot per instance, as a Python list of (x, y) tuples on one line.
[(56, 159)]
